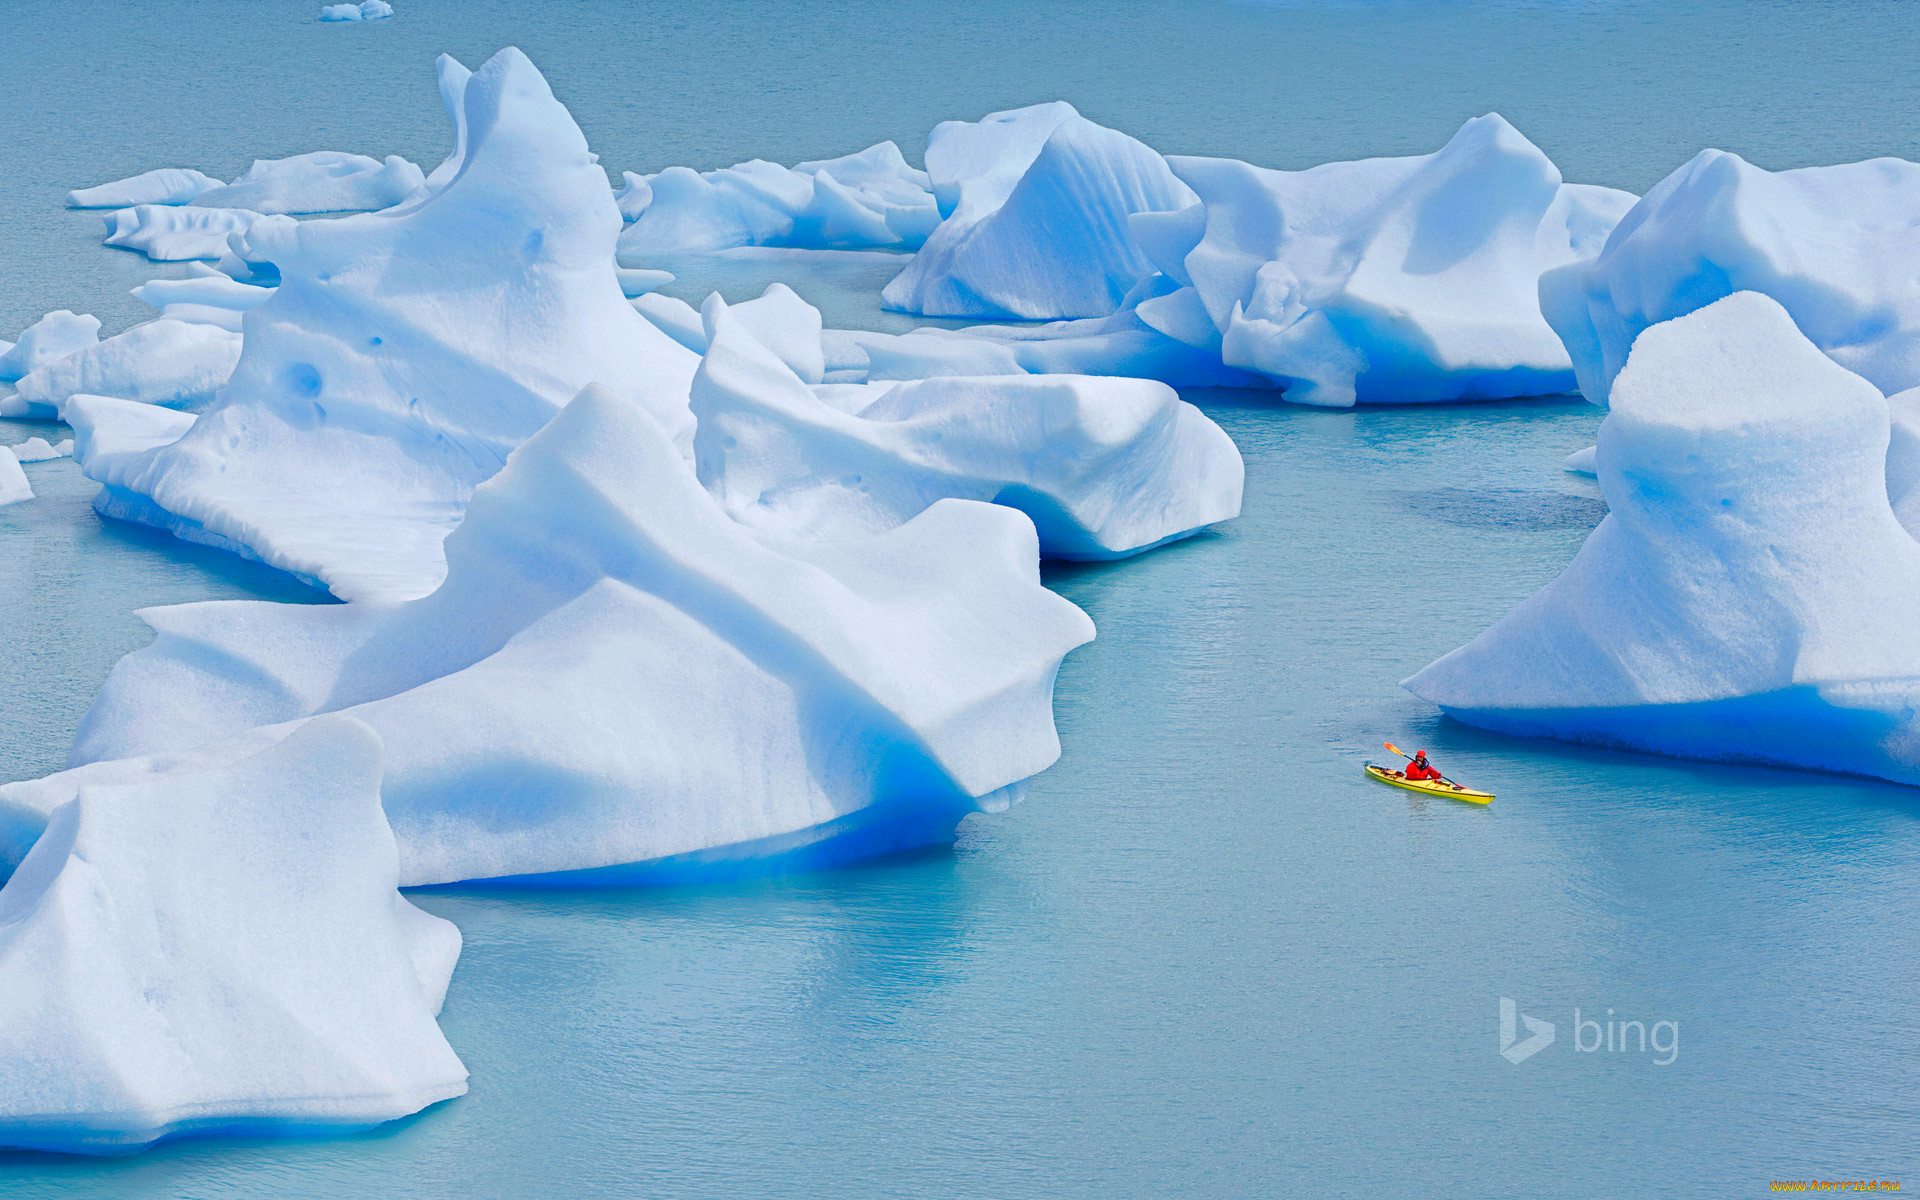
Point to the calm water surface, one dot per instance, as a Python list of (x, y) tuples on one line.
[(1205, 958)]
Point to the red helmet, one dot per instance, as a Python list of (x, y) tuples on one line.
[(1419, 753)]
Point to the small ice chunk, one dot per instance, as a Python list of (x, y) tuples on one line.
[(49, 339), (319, 182), (210, 288), (366, 10), (635, 281), (1057, 245), (221, 950), (675, 318), (165, 362), (780, 321), (635, 196), (1583, 462), (167, 234), (1104, 467), (168, 185), (38, 449), (13, 481)]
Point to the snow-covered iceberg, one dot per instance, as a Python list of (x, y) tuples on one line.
[(1835, 245), (14, 487), (1038, 228), (49, 339), (205, 297), (617, 681), (1104, 467), (166, 362), (366, 10), (403, 356), (1749, 596), (220, 951), (868, 199), (320, 182), (1384, 281), (167, 233), (168, 185), (39, 449)]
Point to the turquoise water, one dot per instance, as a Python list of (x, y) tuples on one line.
[(1206, 957)]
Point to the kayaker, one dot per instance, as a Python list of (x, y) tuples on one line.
[(1419, 768)]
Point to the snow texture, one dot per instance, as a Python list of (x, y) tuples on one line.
[(872, 198), (168, 185), (49, 339), (617, 681), (320, 182), (220, 951), (175, 234), (1104, 467), (1747, 598), (167, 362), (405, 353), (1834, 245), (1038, 231)]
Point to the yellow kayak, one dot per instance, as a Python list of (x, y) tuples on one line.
[(1432, 787)]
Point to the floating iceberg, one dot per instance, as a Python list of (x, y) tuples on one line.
[(1834, 245), (1385, 281), (1038, 230), (366, 10), (1104, 467), (13, 481), (170, 234), (220, 951), (1583, 462), (404, 354), (168, 185), (38, 449), (872, 198), (49, 339), (206, 297), (166, 362), (320, 182), (1748, 597), (618, 681)]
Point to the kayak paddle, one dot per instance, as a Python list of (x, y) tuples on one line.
[(1409, 758)]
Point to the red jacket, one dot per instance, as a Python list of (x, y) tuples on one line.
[(1417, 771)]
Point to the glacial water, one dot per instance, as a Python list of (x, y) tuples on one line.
[(1206, 957)]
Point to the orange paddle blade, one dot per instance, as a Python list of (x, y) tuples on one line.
[(1396, 749)]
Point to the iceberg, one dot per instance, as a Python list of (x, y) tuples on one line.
[(320, 182), (49, 339), (1582, 462), (169, 185), (1384, 281), (170, 234), (221, 951), (1105, 468), (167, 362), (868, 199), (618, 683), (403, 356), (13, 481), (1747, 598), (366, 10), (38, 449), (1037, 231), (1834, 245)]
